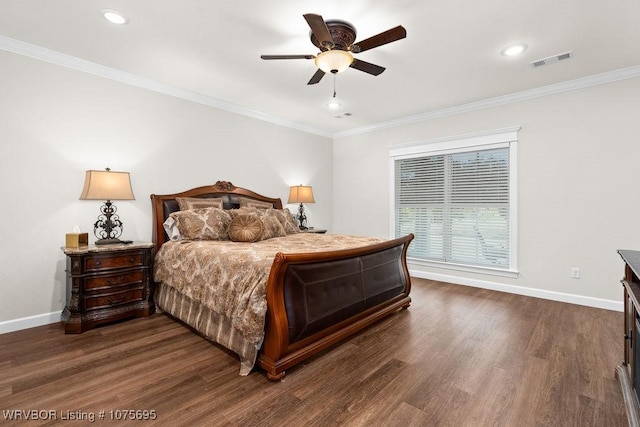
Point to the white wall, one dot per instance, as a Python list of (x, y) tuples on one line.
[(55, 123), (577, 156), (578, 188)]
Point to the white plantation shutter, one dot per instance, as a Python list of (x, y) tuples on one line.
[(457, 202), (420, 197)]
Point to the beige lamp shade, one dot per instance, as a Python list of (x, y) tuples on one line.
[(107, 185), (301, 194)]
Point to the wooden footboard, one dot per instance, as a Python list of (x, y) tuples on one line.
[(315, 300)]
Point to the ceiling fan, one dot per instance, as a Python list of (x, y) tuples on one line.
[(336, 40)]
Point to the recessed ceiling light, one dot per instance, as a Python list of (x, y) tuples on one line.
[(333, 104), (514, 49), (114, 16)]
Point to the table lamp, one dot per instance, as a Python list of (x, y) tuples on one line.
[(107, 185), (301, 194)]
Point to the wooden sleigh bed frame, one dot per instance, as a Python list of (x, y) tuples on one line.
[(377, 274)]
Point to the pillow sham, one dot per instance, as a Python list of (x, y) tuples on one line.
[(203, 224), (246, 228), (272, 225), (284, 218), (187, 203), (291, 226), (243, 211), (250, 203)]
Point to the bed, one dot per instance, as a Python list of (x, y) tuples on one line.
[(279, 300)]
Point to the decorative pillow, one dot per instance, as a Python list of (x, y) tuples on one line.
[(245, 228), (250, 203), (203, 224), (282, 216), (171, 228), (187, 203), (272, 225), (243, 211), (291, 225)]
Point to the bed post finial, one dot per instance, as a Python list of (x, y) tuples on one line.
[(224, 185)]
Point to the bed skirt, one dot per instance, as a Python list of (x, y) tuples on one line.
[(208, 323)]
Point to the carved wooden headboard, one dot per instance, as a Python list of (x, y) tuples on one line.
[(163, 205)]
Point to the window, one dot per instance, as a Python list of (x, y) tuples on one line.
[(458, 197)]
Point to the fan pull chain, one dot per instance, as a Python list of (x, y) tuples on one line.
[(334, 86)]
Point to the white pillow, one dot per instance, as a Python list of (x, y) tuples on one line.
[(171, 228)]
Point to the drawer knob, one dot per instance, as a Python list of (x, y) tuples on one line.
[(114, 300), (116, 281)]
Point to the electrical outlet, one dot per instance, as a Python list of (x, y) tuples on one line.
[(575, 273)]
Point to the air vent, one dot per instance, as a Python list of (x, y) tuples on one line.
[(552, 59), (342, 115)]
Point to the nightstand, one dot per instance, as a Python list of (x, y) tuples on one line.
[(107, 283)]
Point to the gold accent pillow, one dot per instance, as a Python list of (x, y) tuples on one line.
[(203, 224), (186, 203), (245, 228)]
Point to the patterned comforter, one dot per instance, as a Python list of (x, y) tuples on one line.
[(219, 287)]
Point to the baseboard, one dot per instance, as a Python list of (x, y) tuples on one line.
[(55, 316), (30, 322), (520, 290)]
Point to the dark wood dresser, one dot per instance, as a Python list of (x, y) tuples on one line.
[(628, 373), (107, 283)]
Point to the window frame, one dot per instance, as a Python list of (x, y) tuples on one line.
[(500, 138)]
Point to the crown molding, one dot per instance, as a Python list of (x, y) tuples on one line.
[(62, 59), (78, 64), (569, 85)]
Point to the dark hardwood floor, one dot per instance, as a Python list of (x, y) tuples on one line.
[(459, 356)]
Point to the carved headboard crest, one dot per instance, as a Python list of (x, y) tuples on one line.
[(224, 185)]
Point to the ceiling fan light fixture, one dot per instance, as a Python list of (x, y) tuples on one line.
[(335, 39), (334, 61)]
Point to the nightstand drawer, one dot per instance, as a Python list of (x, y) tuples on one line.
[(113, 299), (98, 282), (100, 263)]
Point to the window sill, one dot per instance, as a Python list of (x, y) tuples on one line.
[(490, 271)]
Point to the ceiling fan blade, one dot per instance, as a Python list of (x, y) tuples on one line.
[(316, 77), (388, 36), (320, 30), (367, 67), (287, 56)]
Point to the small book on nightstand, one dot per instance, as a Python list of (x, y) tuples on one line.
[(314, 230)]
